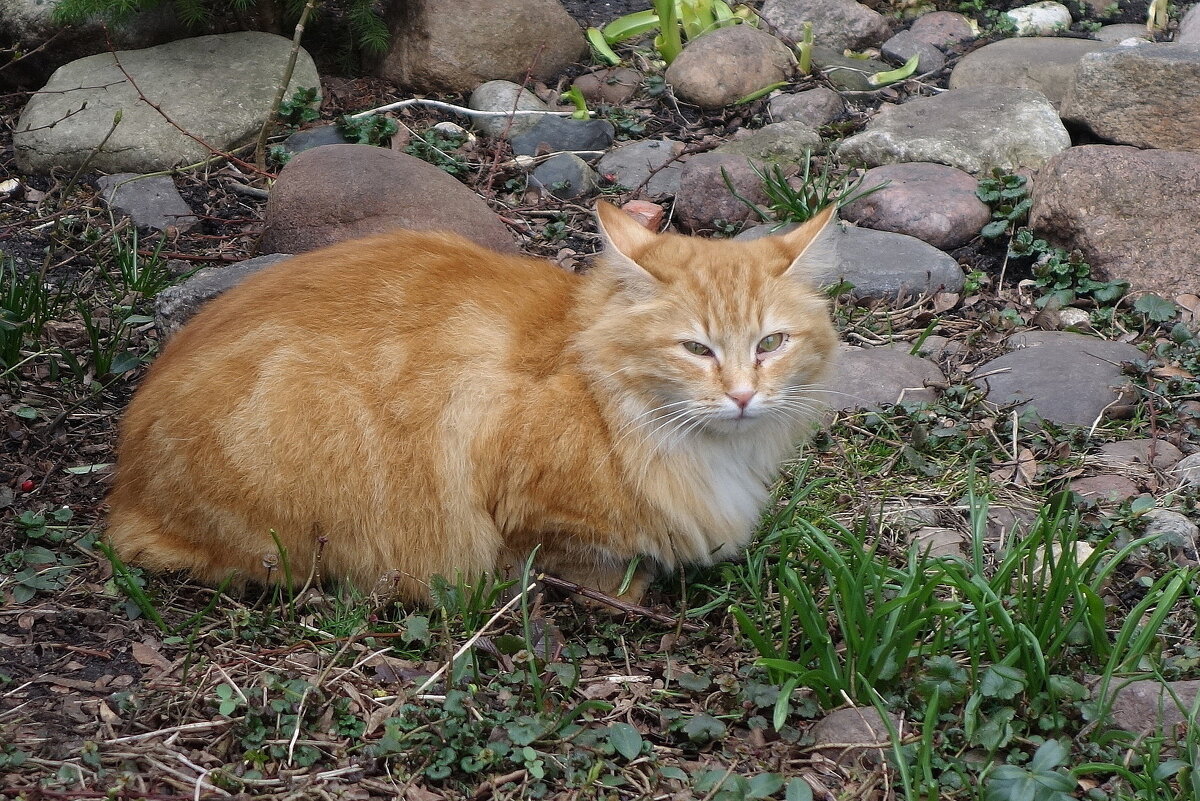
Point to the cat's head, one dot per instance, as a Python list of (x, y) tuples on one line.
[(714, 336)]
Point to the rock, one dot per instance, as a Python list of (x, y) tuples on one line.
[(1188, 471), (846, 73), (838, 24), (1035, 373), (1040, 19), (555, 134), (219, 88), (1123, 32), (724, 66), (813, 107), (455, 45), (903, 46), (872, 377), (1135, 453), (935, 541), (1189, 27), (337, 192), (941, 349), (1173, 529), (944, 29), (1151, 706), (931, 202), (566, 176), (650, 215), (788, 142), (175, 305), (314, 137), (151, 201), (1107, 489), (1043, 63), (973, 129), (505, 96), (703, 199), (633, 165), (855, 735), (1005, 522), (909, 516), (615, 85), (880, 264), (1142, 96), (1131, 213)]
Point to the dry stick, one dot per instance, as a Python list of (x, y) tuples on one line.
[(260, 146), (624, 606), (142, 97)]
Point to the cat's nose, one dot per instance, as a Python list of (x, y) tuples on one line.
[(742, 397)]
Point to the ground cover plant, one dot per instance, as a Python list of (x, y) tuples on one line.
[(923, 566)]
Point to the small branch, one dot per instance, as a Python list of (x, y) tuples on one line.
[(260, 146), (615, 603), (463, 110)]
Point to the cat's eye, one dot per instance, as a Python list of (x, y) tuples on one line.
[(769, 343), (697, 348)]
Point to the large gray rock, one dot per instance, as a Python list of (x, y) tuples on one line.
[(553, 134), (218, 88), (455, 45), (872, 377), (1044, 363), (337, 192), (1189, 27), (932, 202), (150, 201), (1145, 96), (727, 64), (1152, 707), (903, 46), (839, 24), (972, 129), (1131, 212), (813, 107), (787, 142), (649, 165), (507, 97), (1046, 64), (175, 305)]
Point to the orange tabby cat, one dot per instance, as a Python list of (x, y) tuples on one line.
[(413, 404)]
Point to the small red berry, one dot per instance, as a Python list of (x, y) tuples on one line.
[(27, 485)]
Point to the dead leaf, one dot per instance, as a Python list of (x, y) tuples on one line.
[(1170, 371), (945, 301), (1026, 468), (149, 657)]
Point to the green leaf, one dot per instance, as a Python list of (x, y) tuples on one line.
[(1142, 504), (996, 731), (625, 739), (898, 74), (994, 229), (765, 785), (1050, 755), (704, 728), (1002, 681), (692, 681), (798, 790), (25, 412), (945, 676), (416, 629), (124, 362), (1160, 310), (671, 772)]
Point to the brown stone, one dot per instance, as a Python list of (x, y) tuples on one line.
[(1045, 63), (943, 29), (1147, 706), (1131, 212), (614, 86), (1104, 488), (932, 202), (1135, 453), (338, 192), (704, 199), (855, 735), (724, 66)]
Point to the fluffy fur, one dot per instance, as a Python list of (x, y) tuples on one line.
[(413, 404)]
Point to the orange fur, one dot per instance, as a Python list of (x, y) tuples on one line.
[(413, 404)]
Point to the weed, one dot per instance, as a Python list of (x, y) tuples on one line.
[(817, 189), (433, 146), (1008, 197), (34, 568), (300, 107), (26, 305), (375, 129)]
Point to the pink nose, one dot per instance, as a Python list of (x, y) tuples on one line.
[(742, 397)]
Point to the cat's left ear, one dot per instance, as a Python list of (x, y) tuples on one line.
[(621, 231), (811, 243)]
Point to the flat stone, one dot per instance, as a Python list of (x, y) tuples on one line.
[(903, 46), (855, 735), (1173, 529), (1135, 453), (839, 24), (151, 201), (175, 305), (634, 164), (846, 73), (813, 107), (1189, 27), (973, 129), (703, 198), (1046, 64), (932, 202), (1040, 19), (455, 45), (338, 192), (614, 85), (567, 177), (1130, 212), (1107, 489), (555, 134), (935, 541), (1044, 362), (787, 142), (1147, 706), (723, 66), (871, 377), (314, 137), (944, 29), (1188, 471), (1147, 96), (1122, 32), (219, 88), (504, 96)]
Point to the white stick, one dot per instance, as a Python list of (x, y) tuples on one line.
[(466, 112)]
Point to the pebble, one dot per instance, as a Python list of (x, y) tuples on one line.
[(936, 541), (813, 107), (837, 24), (944, 29), (175, 305), (871, 377), (855, 735), (614, 86), (151, 202), (1187, 470), (566, 176), (903, 46), (314, 137), (1134, 453), (846, 73), (1108, 489), (1172, 529), (786, 142)]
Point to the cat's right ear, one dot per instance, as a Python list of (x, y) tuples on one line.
[(623, 238)]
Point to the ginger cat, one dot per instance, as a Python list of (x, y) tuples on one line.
[(414, 404)]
